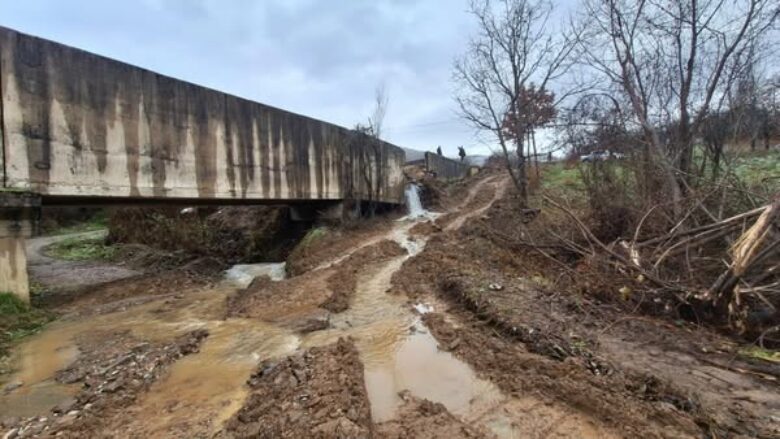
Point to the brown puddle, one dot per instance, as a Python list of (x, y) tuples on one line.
[(214, 375), (206, 389), (37, 360), (396, 349)]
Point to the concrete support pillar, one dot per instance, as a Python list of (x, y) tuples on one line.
[(18, 214), (13, 268)]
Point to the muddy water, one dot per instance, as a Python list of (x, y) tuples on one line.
[(212, 380), (38, 391), (396, 349), (203, 390)]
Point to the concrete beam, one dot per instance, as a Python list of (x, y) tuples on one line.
[(79, 125), (444, 168)]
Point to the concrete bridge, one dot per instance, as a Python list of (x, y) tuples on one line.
[(78, 128)]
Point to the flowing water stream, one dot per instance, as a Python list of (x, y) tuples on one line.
[(396, 349)]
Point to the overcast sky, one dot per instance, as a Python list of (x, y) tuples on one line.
[(315, 57)]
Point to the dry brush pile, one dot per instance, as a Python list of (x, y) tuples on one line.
[(716, 261)]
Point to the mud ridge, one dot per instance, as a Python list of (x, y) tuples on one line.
[(302, 298), (318, 393)]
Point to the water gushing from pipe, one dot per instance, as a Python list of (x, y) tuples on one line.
[(413, 204)]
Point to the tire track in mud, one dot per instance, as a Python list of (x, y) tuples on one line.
[(499, 185), (398, 354), (505, 415), (202, 391)]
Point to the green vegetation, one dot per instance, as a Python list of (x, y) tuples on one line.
[(17, 320), (755, 170), (759, 168), (761, 354), (312, 236), (99, 221), (82, 249), (11, 305), (558, 177)]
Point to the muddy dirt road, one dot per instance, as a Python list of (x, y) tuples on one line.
[(417, 327), (67, 276)]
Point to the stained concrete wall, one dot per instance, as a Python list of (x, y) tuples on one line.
[(77, 124), (444, 168)]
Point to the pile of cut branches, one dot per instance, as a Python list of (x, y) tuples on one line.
[(723, 271)]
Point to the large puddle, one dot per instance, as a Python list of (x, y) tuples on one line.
[(208, 387)]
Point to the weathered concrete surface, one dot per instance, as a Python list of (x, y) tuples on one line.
[(77, 124), (17, 213), (13, 268), (444, 168)]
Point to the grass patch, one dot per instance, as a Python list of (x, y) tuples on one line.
[(312, 236), (12, 305), (17, 320), (99, 221), (556, 177), (82, 249), (759, 169)]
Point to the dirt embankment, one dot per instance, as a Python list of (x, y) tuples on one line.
[(524, 322), (328, 244), (229, 234)]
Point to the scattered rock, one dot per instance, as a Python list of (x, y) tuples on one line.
[(316, 320), (10, 387), (65, 406), (317, 393)]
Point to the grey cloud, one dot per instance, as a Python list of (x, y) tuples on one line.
[(319, 58)]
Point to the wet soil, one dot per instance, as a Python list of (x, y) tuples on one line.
[(420, 418), (306, 296), (336, 243), (602, 371), (113, 369), (395, 328), (61, 278), (318, 393)]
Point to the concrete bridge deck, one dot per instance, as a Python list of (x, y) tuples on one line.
[(77, 128)]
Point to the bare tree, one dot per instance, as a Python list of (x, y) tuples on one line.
[(366, 139), (513, 48), (673, 62)]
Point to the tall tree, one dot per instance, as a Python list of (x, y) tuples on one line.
[(514, 47)]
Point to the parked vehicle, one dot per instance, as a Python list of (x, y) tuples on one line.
[(600, 156), (595, 156)]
